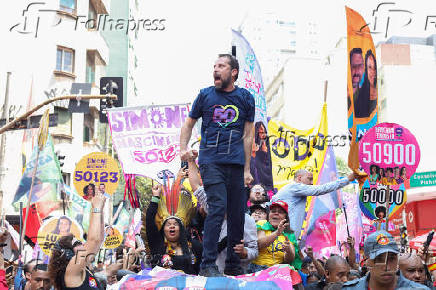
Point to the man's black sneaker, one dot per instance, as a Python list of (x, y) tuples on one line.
[(211, 271), (234, 271)]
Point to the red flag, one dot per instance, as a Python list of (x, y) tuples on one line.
[(33, 222)]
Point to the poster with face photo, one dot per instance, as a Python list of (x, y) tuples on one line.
[(54, 228), (362, 88), (389, 154)]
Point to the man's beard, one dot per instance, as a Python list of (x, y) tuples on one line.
[(225, 82)]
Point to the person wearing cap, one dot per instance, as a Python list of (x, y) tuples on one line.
[(259, 212), (276, 242), (295, 195), (381, 250)]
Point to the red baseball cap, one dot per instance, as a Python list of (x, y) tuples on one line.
[(283, 205)]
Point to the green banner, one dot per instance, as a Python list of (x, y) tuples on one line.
[(48, 175), (423, 179)]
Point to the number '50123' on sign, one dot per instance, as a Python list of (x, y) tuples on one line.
[(96, 176)]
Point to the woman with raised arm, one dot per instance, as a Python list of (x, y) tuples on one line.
[(70, 258), (166, 234)]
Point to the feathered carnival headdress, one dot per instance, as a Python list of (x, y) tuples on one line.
[(175, 202)]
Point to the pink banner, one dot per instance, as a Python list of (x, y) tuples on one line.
[(389, 153), (276, 277), (324, 233)]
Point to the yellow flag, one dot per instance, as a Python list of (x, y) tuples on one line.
[(293, 149)]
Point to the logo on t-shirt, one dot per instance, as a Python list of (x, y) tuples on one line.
[(225, 115), (92, 282)]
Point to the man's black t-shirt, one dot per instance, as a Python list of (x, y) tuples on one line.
[(223, 118)]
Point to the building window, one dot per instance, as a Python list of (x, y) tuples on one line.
[(69, 6), (88, 127), (65, 60), (90, 67)]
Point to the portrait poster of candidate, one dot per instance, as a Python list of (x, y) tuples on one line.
[(54, 228), (362, 89)]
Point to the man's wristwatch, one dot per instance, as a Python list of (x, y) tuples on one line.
[(96, 210)]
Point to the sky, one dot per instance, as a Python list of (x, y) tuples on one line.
[(177, 62), (174, 64)]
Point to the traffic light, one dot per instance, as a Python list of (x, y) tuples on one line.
[(110, 85)]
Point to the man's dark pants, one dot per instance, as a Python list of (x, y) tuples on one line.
[(224, 186)]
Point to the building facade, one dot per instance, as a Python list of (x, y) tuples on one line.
[(406, 69), (67, 47)]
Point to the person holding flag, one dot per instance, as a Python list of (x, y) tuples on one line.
[(295, 195)]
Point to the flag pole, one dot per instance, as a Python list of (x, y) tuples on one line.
[(42, 139), (21, 227), (325, 90), (346, 218)]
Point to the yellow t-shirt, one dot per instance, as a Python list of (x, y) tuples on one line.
[(274, 253)]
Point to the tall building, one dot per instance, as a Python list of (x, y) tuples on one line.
[(276, 35), (123, 60), (406, 69), (68, 48)]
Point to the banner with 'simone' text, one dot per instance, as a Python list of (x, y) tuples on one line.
[(147, 138)]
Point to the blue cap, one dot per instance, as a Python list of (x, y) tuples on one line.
[(378, 243)]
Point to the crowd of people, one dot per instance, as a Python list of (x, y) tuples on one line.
[(267, 240), (236, 227)]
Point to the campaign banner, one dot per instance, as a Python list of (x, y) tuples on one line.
[(362, 89), (48, 175), (293, 149), (112, 237), (96, 172), (350, 204), (78, 208), (250, 78), (372, 200), (276, 277), (389, 154), (323, 234), (147, 138), (54, 228)]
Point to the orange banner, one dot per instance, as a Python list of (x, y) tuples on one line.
[(362, 88)]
